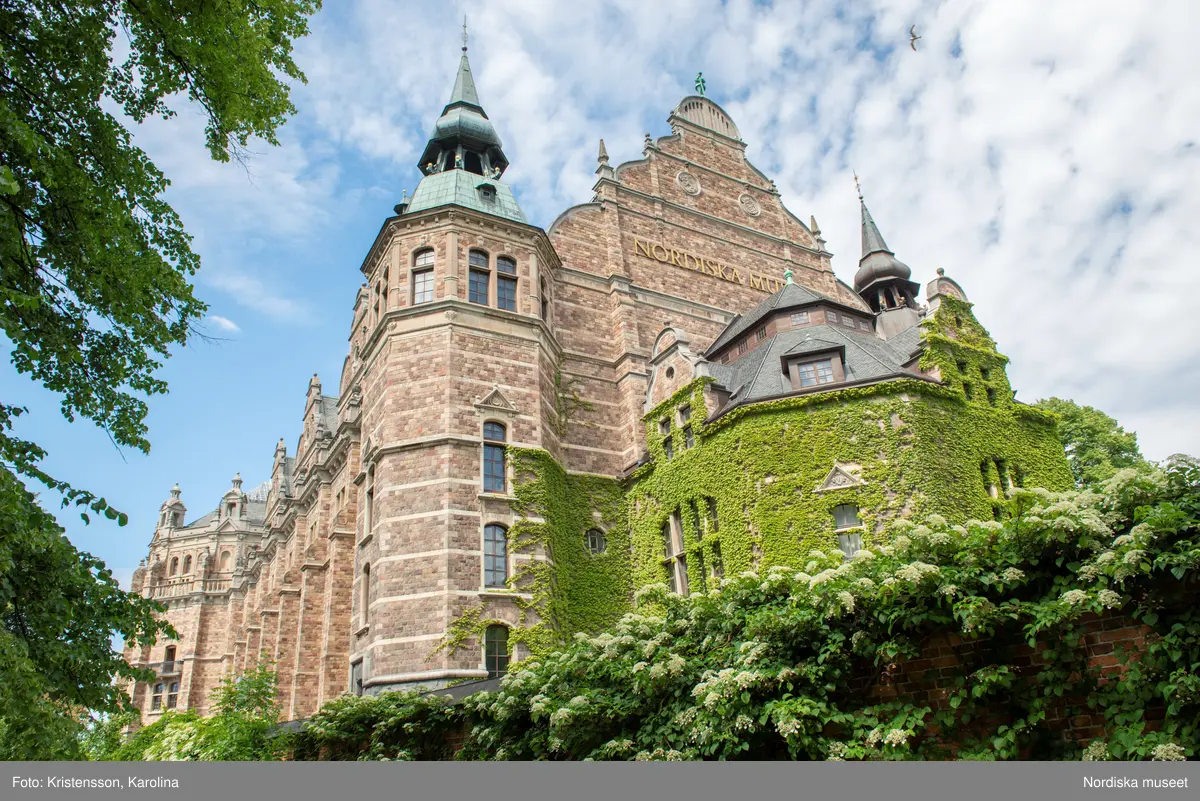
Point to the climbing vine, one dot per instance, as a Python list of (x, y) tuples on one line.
[(573, 589)]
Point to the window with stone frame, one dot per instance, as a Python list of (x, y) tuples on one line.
[(369, 503), (597, 543), (422, 279), (478, 278), (544, 300), (850, 543), (506, 283), (668, 449), (494, 476), (156, 698), (168, 664), (356, 677), (689, 439), (760, 334), (800, 318), (717, 564), (187, 564), (174, 565), (172, 695), (495, 556), (831, 317), (685, 414), (675, 561), (743, 346), (495, 651), (848, 321), (664, 426)]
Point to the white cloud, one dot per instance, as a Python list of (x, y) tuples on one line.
[(224, 323), (1044, 154)]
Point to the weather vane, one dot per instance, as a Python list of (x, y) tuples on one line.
[(700, 83), (464, 33), (857, 187)]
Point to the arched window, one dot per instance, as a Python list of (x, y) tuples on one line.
[(365, 594), (506, 283), (478, 278), (596, 542), (187, 564), (495, 651), (472, 163), (494, 478), (174, 565), (226, 558), (178, 519), (422, 277), (495, 556)]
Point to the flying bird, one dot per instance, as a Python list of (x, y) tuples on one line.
[(912, 34)]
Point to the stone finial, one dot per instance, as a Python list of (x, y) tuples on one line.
[(649, 143), (603, 169), (941, 271), (602, 158), (812, 225), (237, 481), (282, 446), (787, 275), (315, 381), (175, 491)]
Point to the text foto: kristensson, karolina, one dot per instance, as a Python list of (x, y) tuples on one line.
[(1129, 781), (81, 783)]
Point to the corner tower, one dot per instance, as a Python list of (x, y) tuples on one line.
[(884, 281), (454, 360)]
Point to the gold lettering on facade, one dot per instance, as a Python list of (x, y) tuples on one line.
[(707, 266)]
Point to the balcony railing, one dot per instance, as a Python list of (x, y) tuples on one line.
[(166, 668)]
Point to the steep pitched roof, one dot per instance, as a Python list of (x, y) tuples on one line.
[(790, 295)]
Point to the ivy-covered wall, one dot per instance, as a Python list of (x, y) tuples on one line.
[(749, 486)]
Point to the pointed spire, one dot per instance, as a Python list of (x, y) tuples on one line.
[(464, 84), (872, 240), (603, 157), (603, 169)]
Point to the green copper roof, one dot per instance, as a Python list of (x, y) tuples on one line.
[(464, 84), (462, 188)]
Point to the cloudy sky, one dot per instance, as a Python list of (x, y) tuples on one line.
[(1044, 154)]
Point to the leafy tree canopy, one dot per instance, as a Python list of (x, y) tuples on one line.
[(95, 289), (1096, 444)]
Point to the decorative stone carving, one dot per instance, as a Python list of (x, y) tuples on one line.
[(839, 478), (688, 182), (749, 205)]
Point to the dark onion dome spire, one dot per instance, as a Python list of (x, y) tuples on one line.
[(878, 262), (463, 137)]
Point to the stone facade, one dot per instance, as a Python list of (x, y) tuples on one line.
[(474, 329)]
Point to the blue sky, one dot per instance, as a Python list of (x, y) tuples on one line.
[(1044, 154)]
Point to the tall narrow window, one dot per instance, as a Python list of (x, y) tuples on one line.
[(369, 503), (168, 665), (495, 651), (423, 277), (506, 284), (675, 561), (545, 301), (668, 449), (712, 515), (156, 697), (226, 559), (187, 564), (365, 594), (172, 695), (596, 542), (494, 437), (718, 564), (967, 390), (174, 565), (495, 556), (479, 278), (356, 677)]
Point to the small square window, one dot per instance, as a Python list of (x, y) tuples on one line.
[(685, 414), (743, 346), (831, 316), (800, 318), (850, 544), (815, 373), (848, 322), (864, 325), (760, 334), (664, 426), (846, 516)]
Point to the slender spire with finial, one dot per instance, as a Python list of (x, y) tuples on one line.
[(464, 33), (787, 275), (857, 187)]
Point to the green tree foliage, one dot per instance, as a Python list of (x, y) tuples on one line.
[(1096, 444), (95, 289), (60, 608), (241, 728), (766, 665)]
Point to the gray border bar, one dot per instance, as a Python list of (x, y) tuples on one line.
[(582, 781)]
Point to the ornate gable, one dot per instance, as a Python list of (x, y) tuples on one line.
[(839, 478)]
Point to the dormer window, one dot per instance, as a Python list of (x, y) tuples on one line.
[(487, 193), (815, 370)]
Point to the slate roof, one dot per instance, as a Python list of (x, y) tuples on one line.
[(460, 188), (329, 405), (759, 373), (791, 295)]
